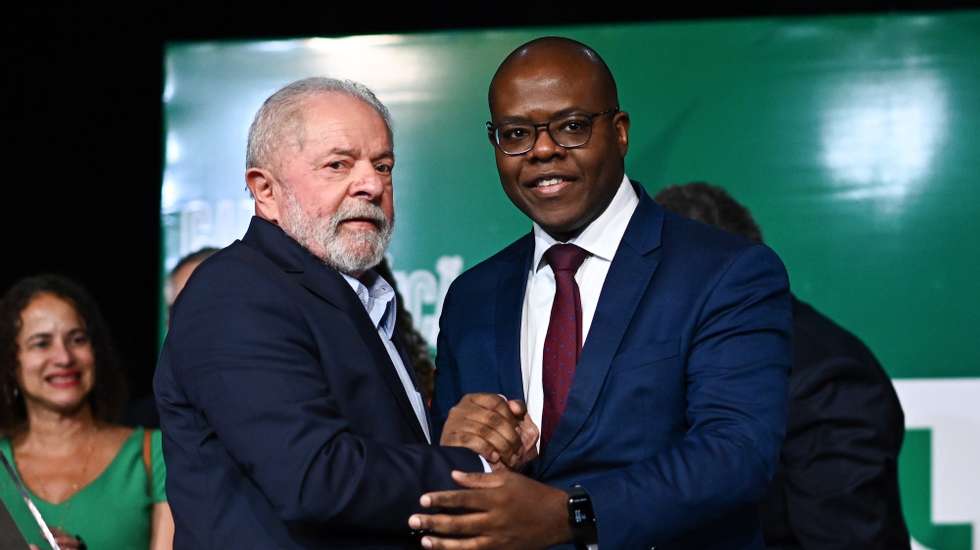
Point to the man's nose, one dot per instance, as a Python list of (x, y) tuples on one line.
[(368, 182), (544, 146)]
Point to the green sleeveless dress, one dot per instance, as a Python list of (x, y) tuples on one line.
[(112, 512)]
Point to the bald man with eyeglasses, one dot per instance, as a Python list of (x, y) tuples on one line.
[(651, 350)]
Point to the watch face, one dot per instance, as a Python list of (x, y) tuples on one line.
[(581, 517), (580, 508)]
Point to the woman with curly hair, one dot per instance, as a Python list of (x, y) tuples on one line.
[(95, 482)]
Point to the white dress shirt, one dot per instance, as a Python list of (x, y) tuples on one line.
[(379, 301), (601, 240)]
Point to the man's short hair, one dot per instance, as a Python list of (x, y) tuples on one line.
[(281, 115), (710, 204)]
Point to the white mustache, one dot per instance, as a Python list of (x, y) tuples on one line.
[(358, 209)]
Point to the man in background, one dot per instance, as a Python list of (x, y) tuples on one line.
[(142, 411), (183, 270), (837, 481)]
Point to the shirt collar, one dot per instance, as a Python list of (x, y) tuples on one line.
[(601, 237), (378, 298)]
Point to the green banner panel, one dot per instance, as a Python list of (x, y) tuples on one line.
[(851, 139)]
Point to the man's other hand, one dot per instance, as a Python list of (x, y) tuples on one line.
[(498, 510)]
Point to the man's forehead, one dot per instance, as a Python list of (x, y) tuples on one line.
[(549, 71), (551, 55), (345, 137), (546, 69), (550, 92), (335, 124)]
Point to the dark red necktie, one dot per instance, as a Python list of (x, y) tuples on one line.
[(563, 342)]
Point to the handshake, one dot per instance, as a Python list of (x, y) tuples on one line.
[(501, 509), (499, 430)]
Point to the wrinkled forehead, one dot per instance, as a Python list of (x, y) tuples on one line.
[(340, 109), (330, 117)]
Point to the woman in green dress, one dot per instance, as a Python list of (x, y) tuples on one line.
[(97, 484)]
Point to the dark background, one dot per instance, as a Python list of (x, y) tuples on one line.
[(82, 122)]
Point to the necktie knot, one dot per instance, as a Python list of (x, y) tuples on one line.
[(565, 257)]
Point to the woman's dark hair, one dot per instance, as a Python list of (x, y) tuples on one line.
[(109, 392)]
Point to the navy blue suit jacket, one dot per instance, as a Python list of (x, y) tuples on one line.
[(677, 410), (285, 424)]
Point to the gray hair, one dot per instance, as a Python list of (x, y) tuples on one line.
[(281, 115)]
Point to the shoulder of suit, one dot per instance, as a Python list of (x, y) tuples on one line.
[(511, 257), (237, 267), (817, 336), (680, 229), (698, 245)]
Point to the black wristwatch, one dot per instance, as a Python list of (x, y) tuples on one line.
[(581, 518)]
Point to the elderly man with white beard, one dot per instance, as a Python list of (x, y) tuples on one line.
[(290, 419)]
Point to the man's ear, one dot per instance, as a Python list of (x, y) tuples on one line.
[(266, 191), (621, 124)]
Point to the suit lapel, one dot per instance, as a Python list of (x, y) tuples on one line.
[(629, 276), (330, 286), (509, 307)]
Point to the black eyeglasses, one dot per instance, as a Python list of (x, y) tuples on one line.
[(517, 138)]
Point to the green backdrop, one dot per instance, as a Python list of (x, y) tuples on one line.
[(851, 139)]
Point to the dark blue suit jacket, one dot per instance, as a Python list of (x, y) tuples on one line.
[(285, 424), (678, 407)]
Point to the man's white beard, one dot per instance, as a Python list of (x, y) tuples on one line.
[(347, 251)]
